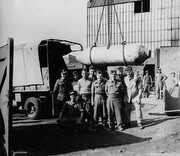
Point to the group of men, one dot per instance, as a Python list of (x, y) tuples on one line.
[(94, 99)]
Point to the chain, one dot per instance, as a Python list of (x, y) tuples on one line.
[(110, 4), (109, 7), (99, 24)]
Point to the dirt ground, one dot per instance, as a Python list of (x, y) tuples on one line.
[(161, 136)]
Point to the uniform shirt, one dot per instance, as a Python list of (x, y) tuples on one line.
[(98, 87), (84, 86), (174, 82), (160, 77), (62, 87), (121, 79), (70, 109), (75, 86), (133, 86), (113, 87), (147, 80)]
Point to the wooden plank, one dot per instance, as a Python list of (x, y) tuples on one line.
[(3, 52), (6, 92)]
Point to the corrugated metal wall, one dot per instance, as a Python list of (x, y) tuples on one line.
[(158, 27)]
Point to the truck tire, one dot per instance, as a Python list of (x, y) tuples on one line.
[(32, 106)]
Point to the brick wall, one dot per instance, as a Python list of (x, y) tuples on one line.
[(169, 61)]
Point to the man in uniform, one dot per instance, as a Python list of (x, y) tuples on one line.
[(72, 113), (174, 83), (98, 98), (120, 77), (62, 87), (84, 87), (133, 96), (160, 84), (147, 83), (114, 101)]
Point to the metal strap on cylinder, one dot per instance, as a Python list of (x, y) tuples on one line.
[(90, 58)]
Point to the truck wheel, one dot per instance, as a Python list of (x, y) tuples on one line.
[(31, 105)]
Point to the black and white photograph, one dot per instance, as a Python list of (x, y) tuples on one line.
[(89, 77)]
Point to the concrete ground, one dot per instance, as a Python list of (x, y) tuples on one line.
[(161, 136)]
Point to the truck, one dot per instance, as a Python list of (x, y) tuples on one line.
[(35, 70)]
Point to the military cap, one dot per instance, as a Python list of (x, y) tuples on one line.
[(91, 67), (75, 73), (63, 71), (72, 92), (120, 68), (84, 69), (112, 72), (129, 68), (173, 72), (146, 71), (99, 72)]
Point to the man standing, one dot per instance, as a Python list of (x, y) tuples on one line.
[(147, 84), (114, 101), (62, 87), (160, 83), (120, 77), (98, 97), (84, 87), (74, 83), (133, 96), (174, 82)]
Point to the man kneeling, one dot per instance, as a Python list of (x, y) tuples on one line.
[(71, 114)]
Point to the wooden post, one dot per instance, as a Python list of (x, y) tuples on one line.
[(157, 61)]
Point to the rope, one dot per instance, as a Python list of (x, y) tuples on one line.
[(110, 3)]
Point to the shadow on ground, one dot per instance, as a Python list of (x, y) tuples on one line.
[(48, 140), (157, 120)]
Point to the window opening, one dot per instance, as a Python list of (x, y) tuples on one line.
[(142, 6)]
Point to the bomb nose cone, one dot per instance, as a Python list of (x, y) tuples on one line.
[(83, 57)]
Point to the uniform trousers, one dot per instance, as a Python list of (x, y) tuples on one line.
[(114, 110), (128, 107), (147, 88), (100, 107), (61, 99), (159, 90), (87, 105), (70, 122)]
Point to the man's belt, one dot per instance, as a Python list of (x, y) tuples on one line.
[(116, 95), (99, 93), (85, 93)]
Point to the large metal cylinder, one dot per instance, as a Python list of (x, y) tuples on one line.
[(116, 55)]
